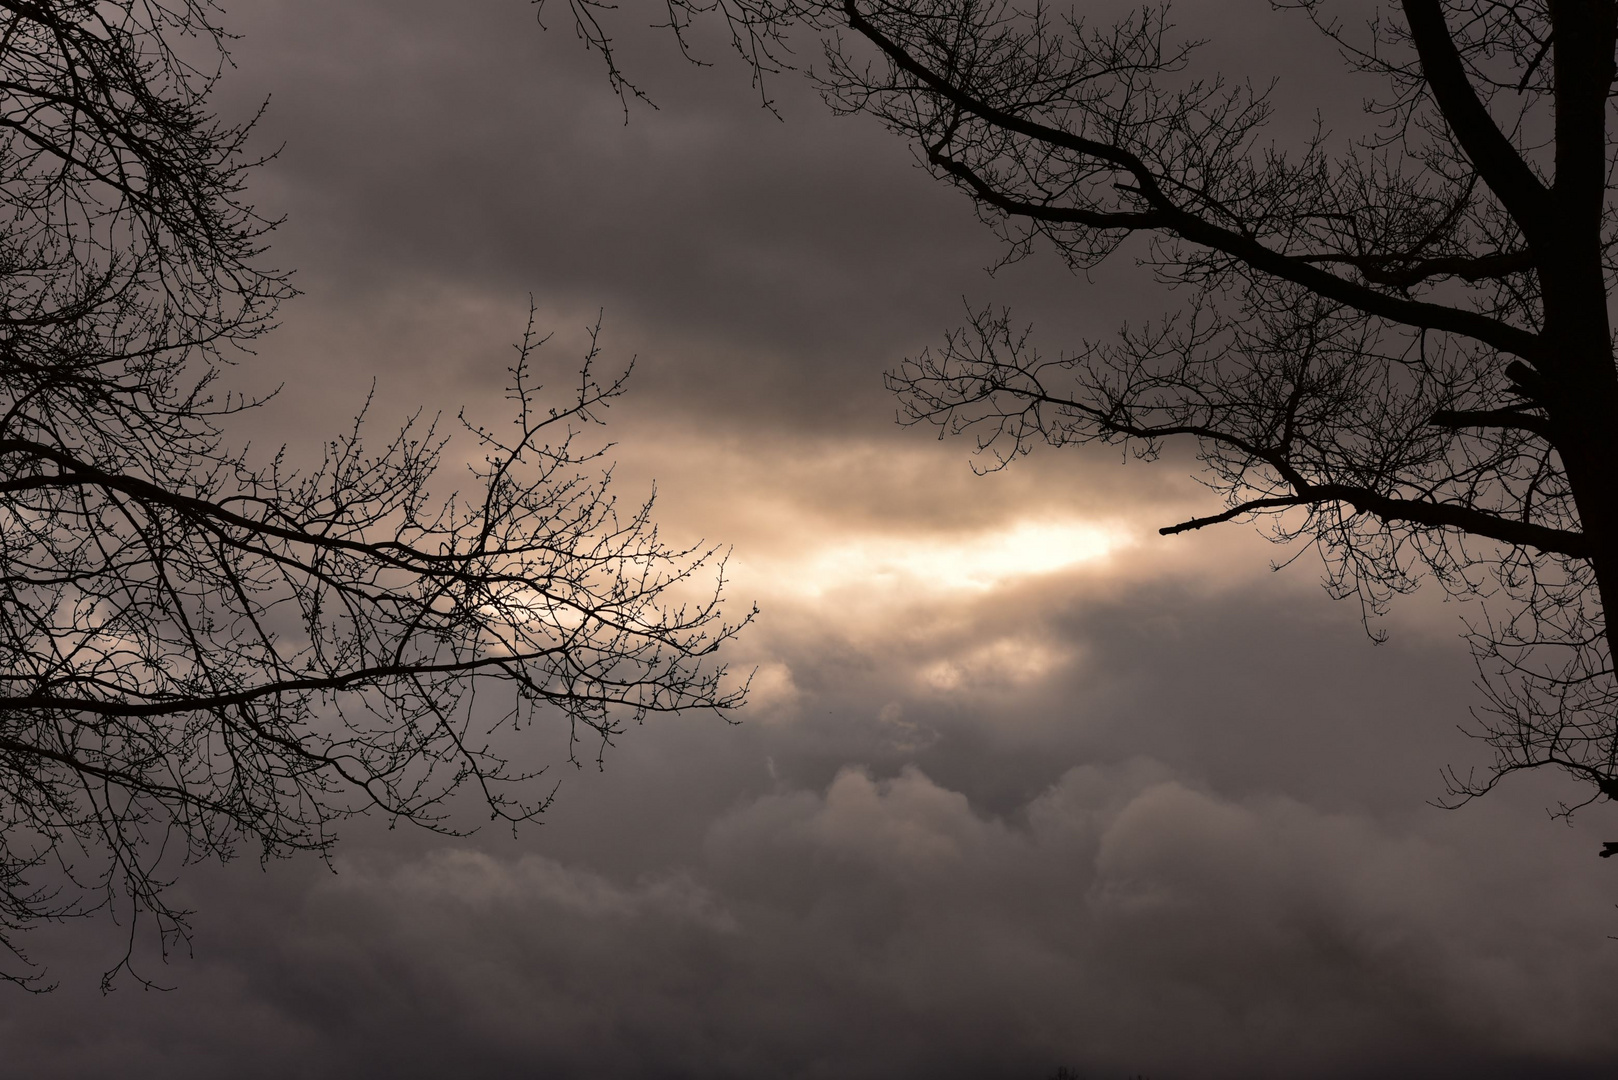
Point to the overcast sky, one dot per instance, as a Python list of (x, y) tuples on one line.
[(1022, 783)]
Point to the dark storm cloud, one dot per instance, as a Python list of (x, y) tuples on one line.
[(458, 149), (1156, 810), (808, 895)]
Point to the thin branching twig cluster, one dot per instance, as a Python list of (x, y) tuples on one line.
[(199, 651), (1396, 346), (1382, 347)]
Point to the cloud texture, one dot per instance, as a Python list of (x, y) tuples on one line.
[(1023, 784)]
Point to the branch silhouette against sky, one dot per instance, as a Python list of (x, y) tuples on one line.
[(204, 649), (1395, 346)]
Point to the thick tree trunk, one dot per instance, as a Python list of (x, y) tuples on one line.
[(1589, 450), (1581, 381)]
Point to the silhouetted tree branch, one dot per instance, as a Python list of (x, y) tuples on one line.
[(200, 651), (1397, 347)]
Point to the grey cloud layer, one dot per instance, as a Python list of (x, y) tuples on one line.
[(882, 927), (1158, 812), (820, 893)]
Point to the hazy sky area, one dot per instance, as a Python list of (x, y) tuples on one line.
[(1022, 784)]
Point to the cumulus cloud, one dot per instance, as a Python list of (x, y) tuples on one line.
[(1125, 918), (1022, 784)]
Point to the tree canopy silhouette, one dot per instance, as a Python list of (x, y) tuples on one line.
[(1397, 347), (200, 650)]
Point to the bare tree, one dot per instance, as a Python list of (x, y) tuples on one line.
[(1396, 347), (200, 651)]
